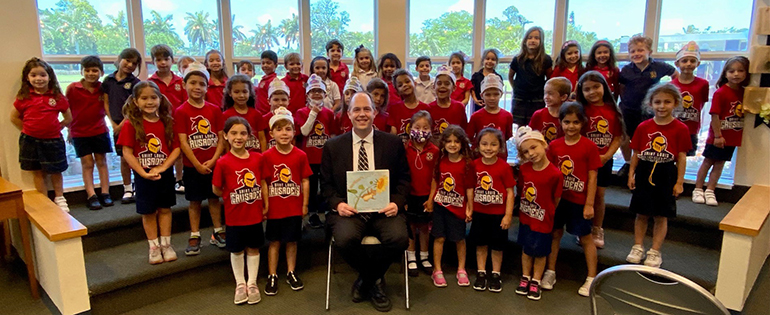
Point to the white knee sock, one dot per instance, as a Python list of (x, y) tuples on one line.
[(252, 262), (236, 260)]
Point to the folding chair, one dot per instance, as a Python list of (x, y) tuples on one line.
[(367, 240), (639, 289)]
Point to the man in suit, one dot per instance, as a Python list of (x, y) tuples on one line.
[(366, 149)]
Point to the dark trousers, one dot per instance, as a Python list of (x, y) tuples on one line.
[(371, 262), (316, 203)]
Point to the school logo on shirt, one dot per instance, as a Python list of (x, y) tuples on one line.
[(283, 186), (485, 193), (600, 132), (152, 155), (653, 74), (492, 125), (317, 138), (529, 205), (127, 86), (549, 131), (343, 73), (249, 189), (461, 85), (446, 194), (202, 137), (52, 102), (687, 112), (406, 125), (442, 124), (571, 182), (429, 156), (734, 121), (177, 87), (657, 149)]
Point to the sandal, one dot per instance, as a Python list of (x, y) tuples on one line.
[(412, 268)]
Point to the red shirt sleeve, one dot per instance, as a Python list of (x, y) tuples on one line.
[(127, 136), (594, 158), (508, 180), (716, 104), (637, 142), (179, 121), (217, 179)]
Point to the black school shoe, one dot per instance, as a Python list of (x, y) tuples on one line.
[(107, 200), (481, 281), (294, 281), (379, 300), (93, 203), (271, 288), (314, 221), (495, 283), (357, 294)]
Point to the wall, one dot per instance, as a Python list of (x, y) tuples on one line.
[(391, 27)]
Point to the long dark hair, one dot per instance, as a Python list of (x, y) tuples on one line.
[(739, 59), (612, 62), (53, 83), (132, 54), (465, 147), (607, 98), (539, 58), (133, 113), (228, 101), (561, 60), (312, 65), (223, 71), (391, 57)]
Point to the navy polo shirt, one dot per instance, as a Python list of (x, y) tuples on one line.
[(118, 92), (527, 85), (637, 82)]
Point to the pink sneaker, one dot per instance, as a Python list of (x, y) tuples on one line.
[(462, 278), (438, 279)]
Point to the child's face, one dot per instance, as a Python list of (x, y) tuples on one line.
[(38, 78), (533, 41), (320, 68), (489, 145), (148, 101), (552, 97), (638, 53), (278, 99), (421, 124), (294, 67), (388, 67), (283, 134), (364, 61), (92, 74), (404, 85), (214, 62), (593, 91), (572, 56), (663, 104), (736, 73), (687, 65), (196, 87), (491, 98), (378, 96), (268, 66), (128, 66), (335, 53), (247, 70), (163, 63), (183, 65), (316, 95), (240, 93), (349, 94), (602, 55), (237, 136), (490, 61), (571, 125), (424, 68), (444, 86), (457, 65), (452, 145), (533, 150)]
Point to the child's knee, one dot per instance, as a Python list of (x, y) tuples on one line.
[(661, 220), (439, 240), (101, 160)]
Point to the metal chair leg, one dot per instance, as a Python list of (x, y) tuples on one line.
[(406, 279), (329, 273)]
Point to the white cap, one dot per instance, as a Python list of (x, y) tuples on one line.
[(491, 82), (315, 82), (277, 85), (526, 133), (197, 68), (691, 49), (353, 84), (280, 113), (445, 70)]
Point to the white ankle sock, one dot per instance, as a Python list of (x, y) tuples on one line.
[(410, 255), (424, 255), (165, 240), (236, 260), (154, 242), (218, 229), (128, 188), (198, 234), (252, 263)]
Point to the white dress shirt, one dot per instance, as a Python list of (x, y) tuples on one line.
[(368, 146)]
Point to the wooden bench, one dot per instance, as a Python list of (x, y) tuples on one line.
[(12, 207), (745, 246), (54, 223)]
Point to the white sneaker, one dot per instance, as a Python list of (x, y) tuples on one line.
[(636, 254), (597, 234), (711, 198), (697, 196), (155, 255), (654, 258), (168, 253), (254, 296), (585, 289), (549, 279), (62, 203), (241, 296)]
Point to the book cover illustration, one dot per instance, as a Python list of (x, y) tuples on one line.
[(368, 191)]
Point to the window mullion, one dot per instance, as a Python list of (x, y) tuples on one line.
[(136, 32), (226, 31), (652, 21), (304, 30)]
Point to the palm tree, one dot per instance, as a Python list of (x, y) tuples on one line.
[(265, 36), (290, 30), (200, 31), (159, 24)]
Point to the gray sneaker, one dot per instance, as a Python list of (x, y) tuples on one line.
[(155, 255), (549, 279), (169, 254), (254, 296), (240, 294)]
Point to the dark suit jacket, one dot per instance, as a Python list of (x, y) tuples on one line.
[(337, 159)]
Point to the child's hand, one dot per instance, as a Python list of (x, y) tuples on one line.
[(506, 223), (605, 157), (210, 164), (588, 212), (157, 170), (115, 127), (150, 175), (201, 168), (316, 109), (468, 215), (719, 142), (631, 182), (678, 188), (428, 205)]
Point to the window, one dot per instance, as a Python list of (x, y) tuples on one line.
[(437, 28), (723, 27), (274, 27), (507, 21), (614, 21), (83, 27), (189, 28), (350, 21)]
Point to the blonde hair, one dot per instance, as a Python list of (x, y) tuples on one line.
[(562, 85), (639, 39)]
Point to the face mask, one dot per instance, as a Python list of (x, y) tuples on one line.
[(420, 136), (316, 102)]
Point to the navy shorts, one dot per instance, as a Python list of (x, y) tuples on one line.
[(571, 214), (118, 148), (694, 142), (284, 230), (719, 154), (654, 200), (604, 174), (415, 211), (47, 155), (631, 119), (522, 110), (240, 237), (534, 244), (98, 144), (486, 231), (446, 224), (197, 186), (153, 194)]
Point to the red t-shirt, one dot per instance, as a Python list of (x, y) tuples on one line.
[(393, 97), (174, 91), (241, 183), (461, 86), (297, 97), (492, 182), (421, 166), (548, 125), (572, 75), (156, 149), (323, 130), (539, 189), (40, 114), (215, 93), (263, 103), (284, 174), (694, 95), (255, 120), (660, 143), (340, 76), (343, 122), (610, 74), (87, 110), (728, 104), (201, 125), (443, 117), (603, 126), (575, 161), (400, 117), (481, 119), (454, 179)]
